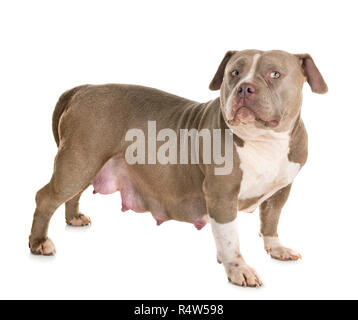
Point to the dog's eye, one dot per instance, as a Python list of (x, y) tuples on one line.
[(275, 75), (235, 73)]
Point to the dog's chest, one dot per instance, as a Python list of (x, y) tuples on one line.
[(265, 168)]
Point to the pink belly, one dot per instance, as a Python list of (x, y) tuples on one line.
[(116, 176)]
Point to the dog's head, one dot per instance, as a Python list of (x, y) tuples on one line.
[(264, 88)]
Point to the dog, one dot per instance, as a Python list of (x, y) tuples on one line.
[(258, 109)]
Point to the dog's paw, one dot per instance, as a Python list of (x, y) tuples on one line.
[(243, 275), (46, 248), (277, 251), (283, 254), (79, 221)]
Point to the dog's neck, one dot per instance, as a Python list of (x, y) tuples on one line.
[(250, 133)]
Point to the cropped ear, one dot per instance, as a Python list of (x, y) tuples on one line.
[(215, 84), (313, 76)]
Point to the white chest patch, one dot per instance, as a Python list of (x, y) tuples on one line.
[(264, 163)]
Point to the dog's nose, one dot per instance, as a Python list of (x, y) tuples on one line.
[(246, 90)]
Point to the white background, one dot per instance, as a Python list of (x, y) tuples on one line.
[(48, 47)]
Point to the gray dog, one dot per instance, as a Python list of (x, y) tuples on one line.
[(259, 104)]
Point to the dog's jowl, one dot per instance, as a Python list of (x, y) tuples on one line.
[(203, 162)]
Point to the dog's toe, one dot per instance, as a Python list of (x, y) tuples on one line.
[(79, 221), (244, 276), (284, 254), (46, 248)]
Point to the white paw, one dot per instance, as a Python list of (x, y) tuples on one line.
[(283, 254), (79, 221), (46, 248), (243, 275), (277, 251)]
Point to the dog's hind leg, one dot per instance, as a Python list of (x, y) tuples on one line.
[(73, 172), (73, 215)]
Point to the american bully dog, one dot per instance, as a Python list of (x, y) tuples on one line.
[(258, 111)]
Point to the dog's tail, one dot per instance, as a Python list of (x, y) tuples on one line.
[(61, 105)]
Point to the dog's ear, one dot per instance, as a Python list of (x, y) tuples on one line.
[(215, 84), (312, 74)]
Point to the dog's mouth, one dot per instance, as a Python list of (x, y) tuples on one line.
[(246, 115)]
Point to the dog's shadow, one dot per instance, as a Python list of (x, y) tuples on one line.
[(288, 262), (41, 258), (77, 229)]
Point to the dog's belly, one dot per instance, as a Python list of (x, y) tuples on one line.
[(266, 169), (139, 194)]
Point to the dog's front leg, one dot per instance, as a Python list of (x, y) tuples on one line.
[(227, 243), (222, 210), (270, 212)]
